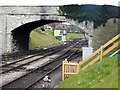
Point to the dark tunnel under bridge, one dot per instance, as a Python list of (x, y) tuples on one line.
[(20, 35)]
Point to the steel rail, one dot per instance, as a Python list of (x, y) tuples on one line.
[(6, 85), (14, 68), (38, 80)]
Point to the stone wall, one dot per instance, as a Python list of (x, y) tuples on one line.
[(2, 33)]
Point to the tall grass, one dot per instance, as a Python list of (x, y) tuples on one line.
[(103, 74)]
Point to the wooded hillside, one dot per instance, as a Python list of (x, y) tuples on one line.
[(97, 13)]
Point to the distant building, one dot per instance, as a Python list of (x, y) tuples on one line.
[(48, 27), (60, 34), (60, 29)]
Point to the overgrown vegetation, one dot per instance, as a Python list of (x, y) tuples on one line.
[(102, 74), (105, 18), (98, 14), (102, 34)]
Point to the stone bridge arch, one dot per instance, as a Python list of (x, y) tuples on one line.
[(20, 35), (13, 17), (15, 35)]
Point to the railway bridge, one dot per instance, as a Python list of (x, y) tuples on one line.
[(16, 23)]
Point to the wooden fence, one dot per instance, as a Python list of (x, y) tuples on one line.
[(72, 68), (69, 68)]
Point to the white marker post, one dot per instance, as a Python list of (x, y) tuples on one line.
[(86, 51)]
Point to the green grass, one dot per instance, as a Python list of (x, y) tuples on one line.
[(98, 55), (102, 74), (88, 61), (41, 38), (74, 35)]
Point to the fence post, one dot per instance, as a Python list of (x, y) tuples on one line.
[(78, 67), (66, 59), (63, 70), (101, 52)]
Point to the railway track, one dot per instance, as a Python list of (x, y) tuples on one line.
[(39, 82), (38, 52), (19, 55), (25, 82), (41, 52), (19, 63)]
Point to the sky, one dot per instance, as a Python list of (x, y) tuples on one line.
[(58, 2)]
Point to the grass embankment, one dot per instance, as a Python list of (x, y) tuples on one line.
[(102, 74), (41, 38), (74, 35)]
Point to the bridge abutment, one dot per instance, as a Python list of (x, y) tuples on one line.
[(3, 33)]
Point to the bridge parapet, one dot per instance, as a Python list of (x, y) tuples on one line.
[(29, 10)]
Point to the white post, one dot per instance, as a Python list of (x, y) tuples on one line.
[(86, 51)]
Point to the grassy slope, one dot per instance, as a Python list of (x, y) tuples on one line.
[(103, 74), (41, 38), (74, 35)]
